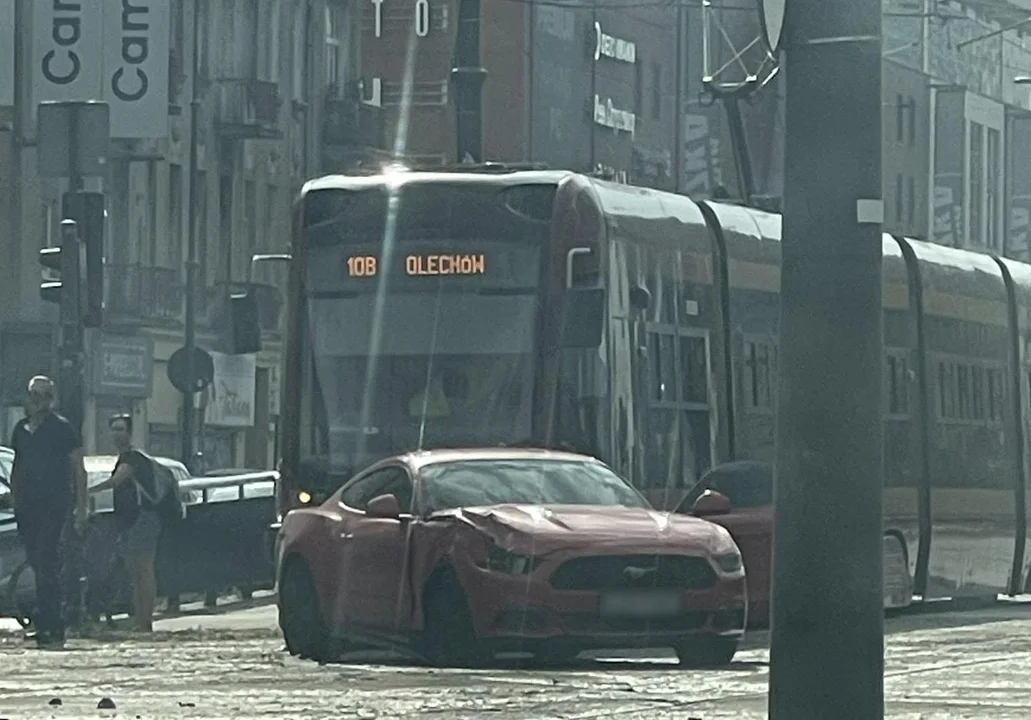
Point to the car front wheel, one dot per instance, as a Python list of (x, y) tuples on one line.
[(449, 638), (300, 616), (706, 652)]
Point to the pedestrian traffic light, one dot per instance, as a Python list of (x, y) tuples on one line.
[(87, 210), (68, 262)]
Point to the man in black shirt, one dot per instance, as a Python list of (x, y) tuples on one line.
[(48, 482)]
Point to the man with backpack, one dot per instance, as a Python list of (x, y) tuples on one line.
[(145, 499)]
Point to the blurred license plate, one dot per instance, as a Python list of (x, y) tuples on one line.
[(641, 604)]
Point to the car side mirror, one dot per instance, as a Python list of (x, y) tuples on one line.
[(711, 503), (385, 507)]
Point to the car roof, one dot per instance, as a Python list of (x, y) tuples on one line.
[(421, 458)]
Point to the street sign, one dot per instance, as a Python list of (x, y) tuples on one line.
[(179, 370), (771, 16), (72, 138)]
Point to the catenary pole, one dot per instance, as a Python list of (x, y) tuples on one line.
[(188, 420), (827, 643)]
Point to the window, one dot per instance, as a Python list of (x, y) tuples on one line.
[(760, 376), (333, 45), (976, 182), (268, 40), (358, 493), (898, 199), (992, 162), (996, 392), (656, 91), (898, 385), (911, 203), (225, 225), (174, 249), (969, 392), (299, 38), (638, 87), (694, 370), (900, 118), (912, 122)]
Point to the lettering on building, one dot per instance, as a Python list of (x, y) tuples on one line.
[(129, 82), (612, 47), (62, 66), (608, 115)]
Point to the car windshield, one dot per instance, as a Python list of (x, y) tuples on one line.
[(479, 483)]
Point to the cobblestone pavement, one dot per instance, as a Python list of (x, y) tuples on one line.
[(963, 665)]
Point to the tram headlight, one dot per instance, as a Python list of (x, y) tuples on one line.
[(303, 497)]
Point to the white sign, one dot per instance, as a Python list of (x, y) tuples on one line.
[(611, 47), (110, 50), (136, 37), (6, 52), (607, 115), (67, 47), (230, 398)]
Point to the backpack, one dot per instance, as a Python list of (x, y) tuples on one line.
[(165, 500)]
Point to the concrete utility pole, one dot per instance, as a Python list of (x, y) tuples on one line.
[(827, 645), (188, 420)]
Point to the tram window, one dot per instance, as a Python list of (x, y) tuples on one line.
[(977, 392), (662, 349), (759, 375), (963, 391), (996, 390), (898, 385), (695, 388)]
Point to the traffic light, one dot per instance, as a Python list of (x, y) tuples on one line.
[(87, 210), (68, 261)]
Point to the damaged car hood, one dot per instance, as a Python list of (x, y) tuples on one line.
[(554, 527)]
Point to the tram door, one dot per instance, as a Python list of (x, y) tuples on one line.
[(679, 437)]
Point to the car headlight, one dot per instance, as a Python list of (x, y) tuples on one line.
[(729, 562), (501, 560)]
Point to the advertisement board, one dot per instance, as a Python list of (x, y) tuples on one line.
[(110, 50)]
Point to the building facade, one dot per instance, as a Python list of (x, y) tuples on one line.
[(264, 67)]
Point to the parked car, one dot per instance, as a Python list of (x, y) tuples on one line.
[(458, 554), (739, 496)]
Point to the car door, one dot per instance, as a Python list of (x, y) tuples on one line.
[(353, 569), (377, 558), (749, 487)]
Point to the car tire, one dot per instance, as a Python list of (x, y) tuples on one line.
[(706, 652), (23, 612), (300, 617), (449, 637)]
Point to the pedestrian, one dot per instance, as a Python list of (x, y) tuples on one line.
[(136, 518), (48, 484)]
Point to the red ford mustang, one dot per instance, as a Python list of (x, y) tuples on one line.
[(457, 554)]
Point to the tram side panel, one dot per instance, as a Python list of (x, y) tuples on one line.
[(1021, 276), (900, 389), (751, 243), (971, 473)]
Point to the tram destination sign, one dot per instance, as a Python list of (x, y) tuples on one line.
[(493, 264)]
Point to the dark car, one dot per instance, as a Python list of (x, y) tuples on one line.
[(459, 554)]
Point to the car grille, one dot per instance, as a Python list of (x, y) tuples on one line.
[(613, 572)]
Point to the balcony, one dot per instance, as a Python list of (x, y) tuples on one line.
[(247, 109), (137, 294), (349, 123)]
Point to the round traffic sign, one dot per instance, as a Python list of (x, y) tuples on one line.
[(179, 370), (771, 16)]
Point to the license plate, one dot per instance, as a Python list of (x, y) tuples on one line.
[(641, 604)]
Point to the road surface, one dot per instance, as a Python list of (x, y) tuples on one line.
[(231, 665)]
